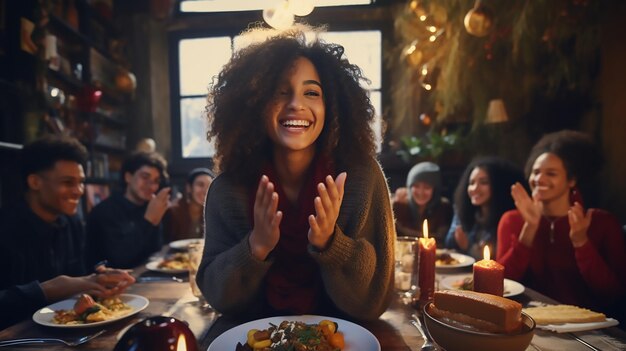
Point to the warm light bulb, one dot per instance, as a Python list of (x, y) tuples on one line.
[(300, 7), (486, 253), (279, 17), (425, 228)]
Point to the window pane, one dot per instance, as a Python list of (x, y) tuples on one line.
[(362, 48), (200, 60), (193, 128), (375, 97), (198, 67)]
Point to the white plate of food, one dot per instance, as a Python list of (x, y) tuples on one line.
[(446, 259), (183, 244), (356, 337), (133, 304), (464, 281), (172, 264)]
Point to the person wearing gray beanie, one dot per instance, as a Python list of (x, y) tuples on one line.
[(423, 201)]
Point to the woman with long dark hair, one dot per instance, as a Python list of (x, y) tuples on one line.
[(481, 197)]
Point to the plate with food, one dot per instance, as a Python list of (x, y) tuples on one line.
[(319, 329), (85, 312), (446, 259), (568, 318), (172, 264), (183, 244), (465, 282)]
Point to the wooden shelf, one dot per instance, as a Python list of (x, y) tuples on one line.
[(83, 39), (68, 80), (113, 121), (65, 28), (106, 23), (108, 148)]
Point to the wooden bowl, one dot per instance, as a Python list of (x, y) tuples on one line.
[(453, 338)]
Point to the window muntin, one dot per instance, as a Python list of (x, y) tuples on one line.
[(201, 59)]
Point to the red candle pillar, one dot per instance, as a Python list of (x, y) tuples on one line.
[(426, 265), (488, 275)]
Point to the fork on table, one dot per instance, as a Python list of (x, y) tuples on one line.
[(74, 342), (428, 342)]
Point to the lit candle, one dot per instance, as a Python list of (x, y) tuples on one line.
[(426, 265), (182, 343), (488, 275)]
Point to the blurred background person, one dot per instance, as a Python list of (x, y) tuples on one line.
[(481, 197), (422, 199), (42, 244), (550, 242), (126, 228), (185, 217)]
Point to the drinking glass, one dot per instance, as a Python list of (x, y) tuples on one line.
[(405, 262), (195, 256)]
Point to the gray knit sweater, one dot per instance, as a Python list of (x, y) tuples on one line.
[(356, 268)]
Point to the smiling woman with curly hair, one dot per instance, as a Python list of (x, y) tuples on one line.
[(299, 218), (248, 83)]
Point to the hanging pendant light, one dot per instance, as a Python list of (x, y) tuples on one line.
[(300, 7), (279, 16)]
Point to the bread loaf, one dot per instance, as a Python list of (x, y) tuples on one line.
[(477, 311)]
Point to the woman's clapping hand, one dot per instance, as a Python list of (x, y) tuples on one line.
[(327, 205), (266, 232), (529, 208), (579, 222)]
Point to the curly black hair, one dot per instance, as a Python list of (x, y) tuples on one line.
[(41, 154), (581, 157), (138, 159), (502, 174), (241, 92)]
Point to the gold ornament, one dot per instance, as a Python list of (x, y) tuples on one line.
[(413, 55), (416, 7), (439, 15), (125, 81), (478, 21), (425, 119)]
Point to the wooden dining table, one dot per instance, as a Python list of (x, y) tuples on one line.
[(392, 330)]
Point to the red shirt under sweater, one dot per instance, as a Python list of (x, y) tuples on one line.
[(592, 276), (293, 283)]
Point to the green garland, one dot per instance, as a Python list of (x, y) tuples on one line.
[(536, 49)]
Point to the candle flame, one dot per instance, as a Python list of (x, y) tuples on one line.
[(425, 228), (486, 253), (181, 344)]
